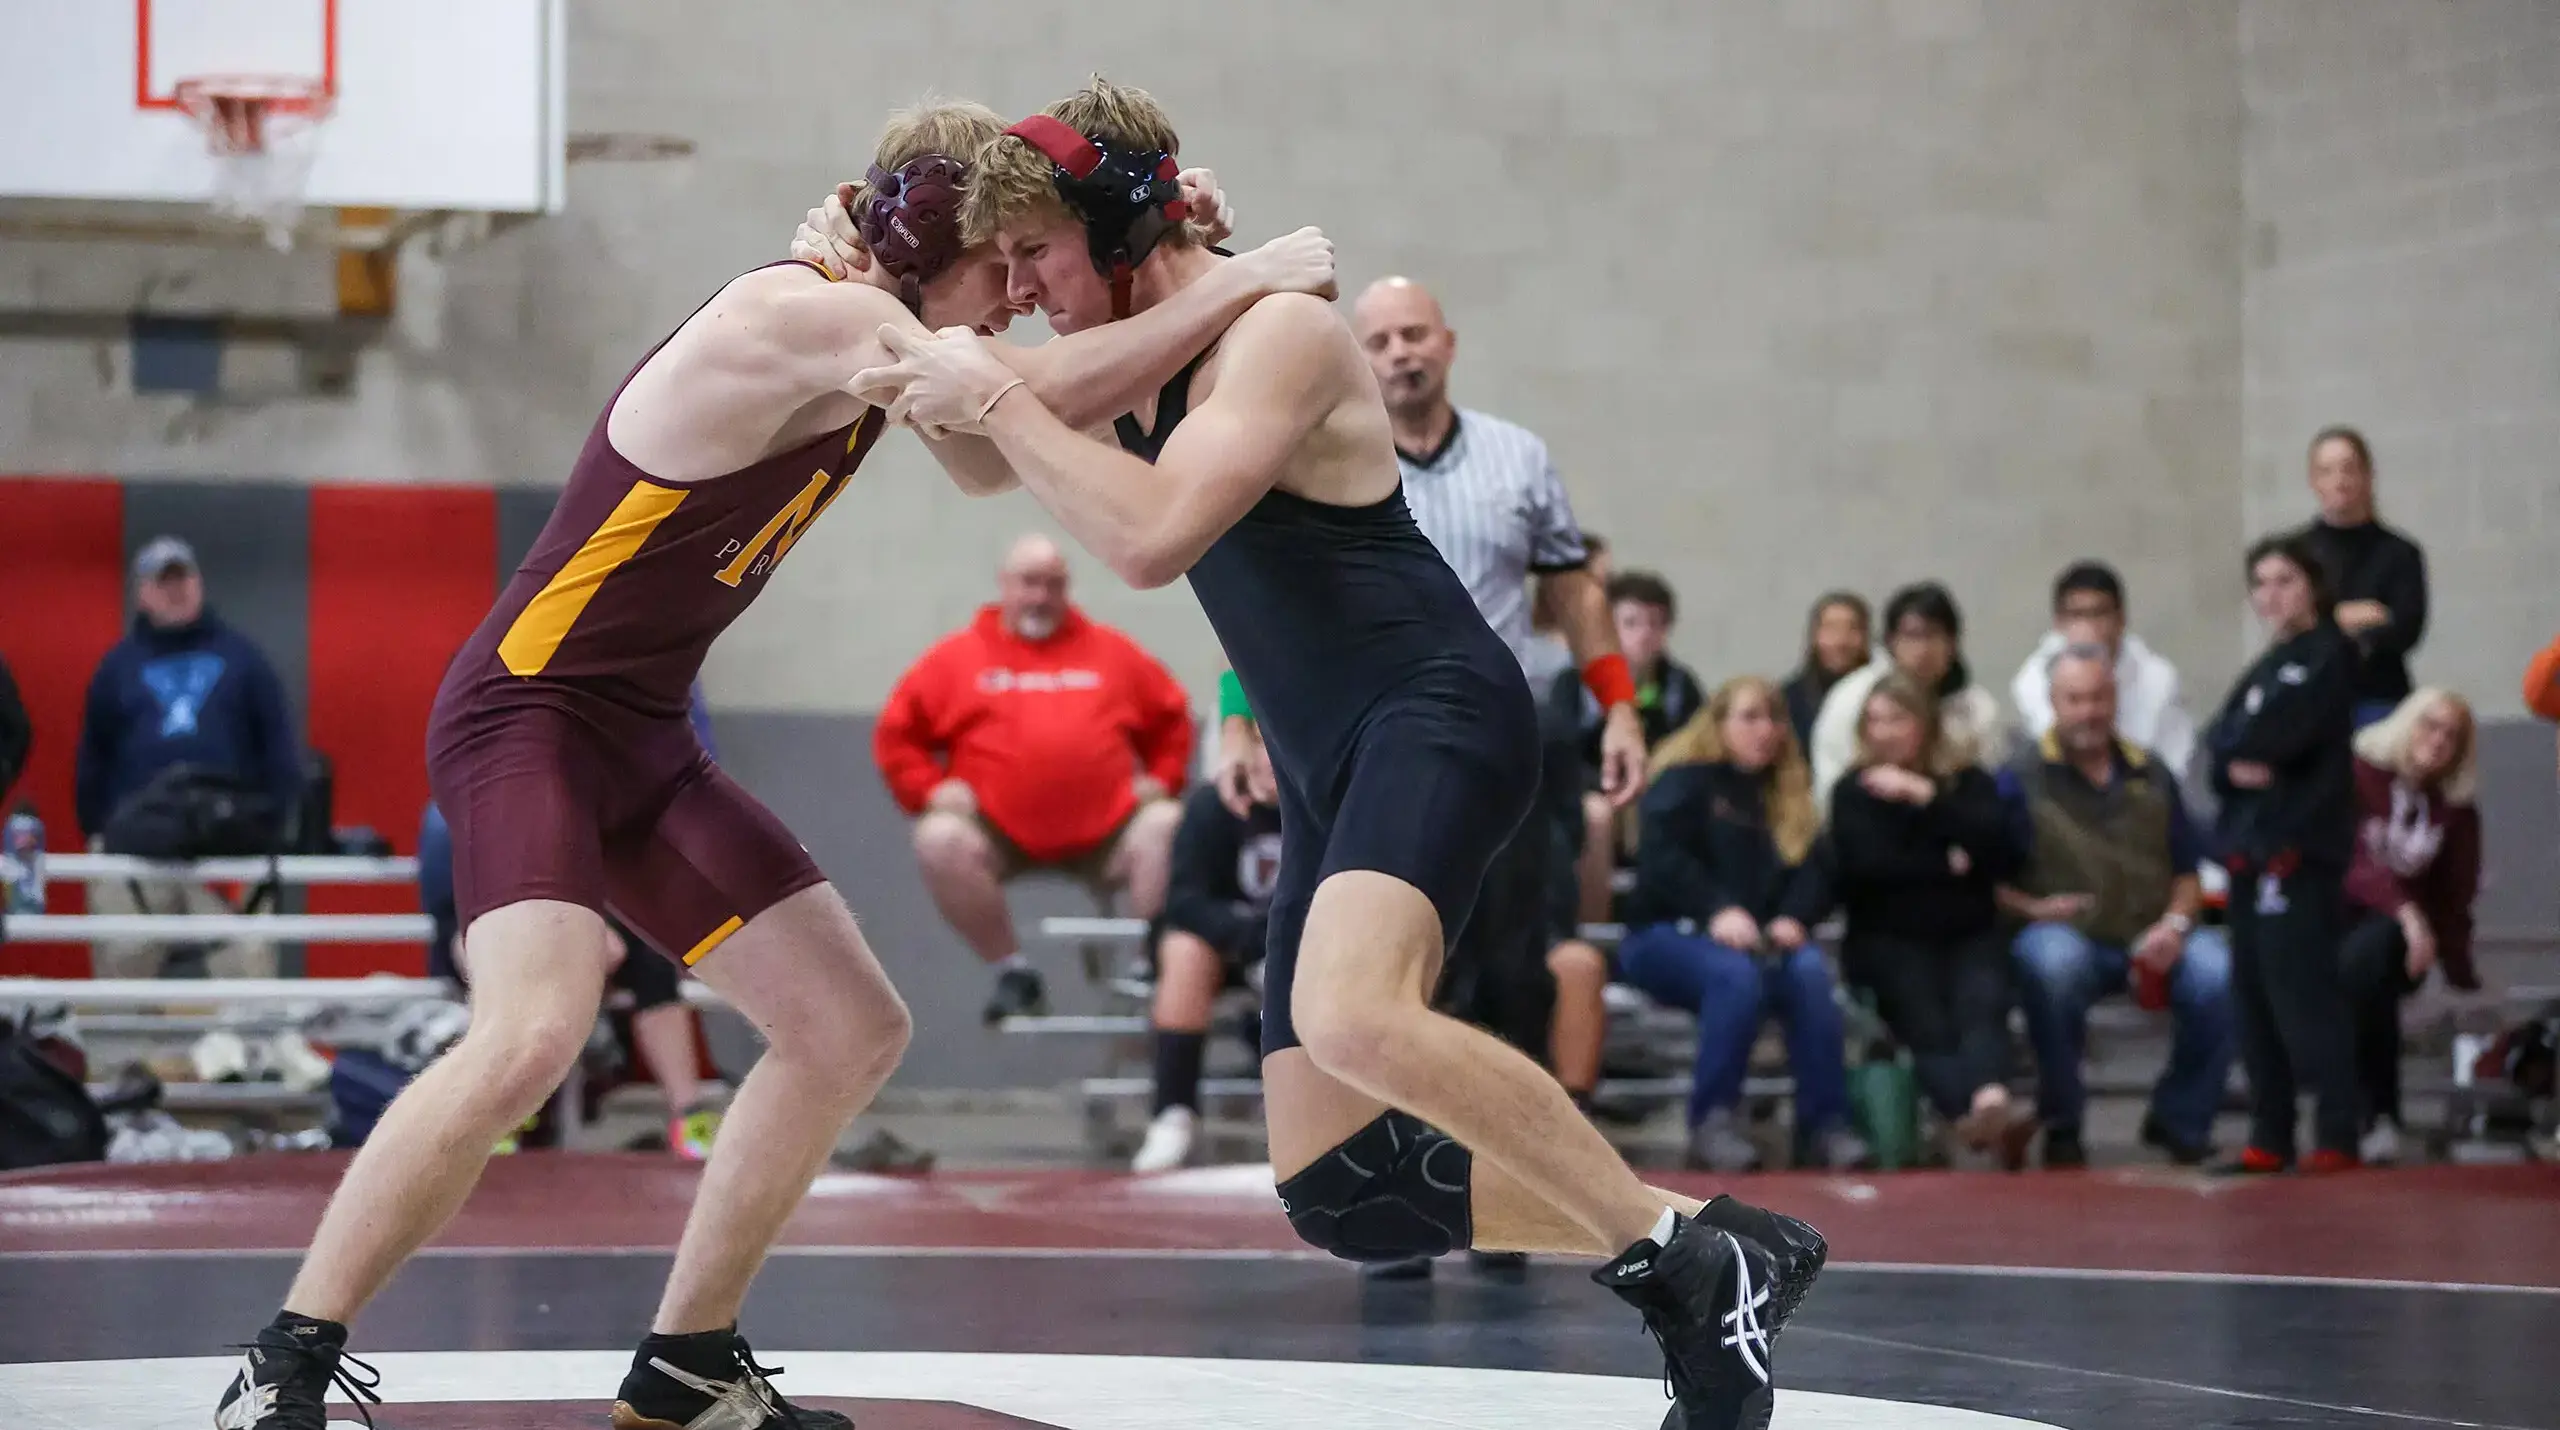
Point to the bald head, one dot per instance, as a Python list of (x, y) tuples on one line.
[(2083, 679), (1409, 345), (1031, 587)]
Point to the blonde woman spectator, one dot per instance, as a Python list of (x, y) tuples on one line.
[(1920, 841), (1924, 640), (2410, 885)]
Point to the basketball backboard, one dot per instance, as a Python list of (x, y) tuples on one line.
[(451, 106)]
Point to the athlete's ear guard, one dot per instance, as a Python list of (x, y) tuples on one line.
[(910, 220), (1127, 201)]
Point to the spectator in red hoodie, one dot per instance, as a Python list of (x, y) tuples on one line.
[(2415, 872), (1035, 739)]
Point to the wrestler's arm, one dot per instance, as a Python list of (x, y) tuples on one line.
[(1279, 376)]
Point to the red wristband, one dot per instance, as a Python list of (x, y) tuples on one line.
[(1610, 681)]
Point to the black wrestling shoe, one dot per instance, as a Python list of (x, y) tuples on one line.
[(1798, 1250), (1019, 993), (708, 1381), (1706, 1298), (285, 1383)]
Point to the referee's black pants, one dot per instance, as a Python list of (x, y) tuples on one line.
[(1497, 976)]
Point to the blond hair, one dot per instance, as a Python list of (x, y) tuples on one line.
[(1786, 786), (1940, 756), (1014, 185), (2385, 743), (953, 128)]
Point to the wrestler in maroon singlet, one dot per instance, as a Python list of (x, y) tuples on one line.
[(559, 749)]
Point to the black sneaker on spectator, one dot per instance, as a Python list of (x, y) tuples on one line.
[(1706, 1299), (1718, 1144), (1411, 1268), (2063, 1150), (1019, 993), (1499, 1263), (2156, 1133)]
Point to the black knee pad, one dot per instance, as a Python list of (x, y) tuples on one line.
[(1396, 1188)]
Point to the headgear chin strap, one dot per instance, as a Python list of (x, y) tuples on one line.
[(1128, 202), (910, 220)]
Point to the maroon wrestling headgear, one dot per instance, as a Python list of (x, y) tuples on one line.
[(910, 220), (1127, 201)]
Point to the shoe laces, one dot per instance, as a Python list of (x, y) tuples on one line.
[(341, 1375)]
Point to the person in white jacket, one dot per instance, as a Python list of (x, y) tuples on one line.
[(1923, 637), (2088, 607)]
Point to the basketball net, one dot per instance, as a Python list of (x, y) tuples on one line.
[(264, 134)]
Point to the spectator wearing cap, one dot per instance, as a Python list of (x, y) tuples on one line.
[(1035, 739), (1837, 636), (2410, 885), (2151, 714), (1923, 639), (2109, 894), (2377, 576), (181, 688)]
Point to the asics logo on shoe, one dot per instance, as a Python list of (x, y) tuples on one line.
[(742, 1404), (254, 1403), (1744, 1333)]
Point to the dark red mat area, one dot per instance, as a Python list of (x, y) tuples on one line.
[(2490, 1225)]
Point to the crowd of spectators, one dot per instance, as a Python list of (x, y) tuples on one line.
[(1875, 839)]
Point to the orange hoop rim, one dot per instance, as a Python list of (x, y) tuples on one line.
[(272, 93)]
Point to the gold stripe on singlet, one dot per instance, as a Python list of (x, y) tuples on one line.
[(536, 635)]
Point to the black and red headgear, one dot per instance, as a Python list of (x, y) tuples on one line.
[(910, 220), (1127, 200)]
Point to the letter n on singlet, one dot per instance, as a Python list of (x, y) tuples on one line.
[(545, 621), (781, 532)]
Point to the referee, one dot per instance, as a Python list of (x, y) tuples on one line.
[(1486, 493)]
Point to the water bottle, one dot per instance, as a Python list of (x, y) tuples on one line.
[(22, 862)]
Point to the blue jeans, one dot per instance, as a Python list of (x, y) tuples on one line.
[(1731, 991), (2061, 971)]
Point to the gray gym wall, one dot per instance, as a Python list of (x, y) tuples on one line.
[(1852, 292)]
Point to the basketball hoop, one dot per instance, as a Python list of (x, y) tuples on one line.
[(264, 134)]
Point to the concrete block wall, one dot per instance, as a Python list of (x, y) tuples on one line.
[(1802, 292), (2403, 183)]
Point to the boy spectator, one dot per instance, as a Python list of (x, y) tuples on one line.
[(1035, 739), (1217, 910), (2110, 896), (1643, 608), (2089, 609), (182, 688)]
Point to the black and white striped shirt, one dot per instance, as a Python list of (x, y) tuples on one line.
[(1491, 500)]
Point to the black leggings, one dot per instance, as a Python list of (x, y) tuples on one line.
[(1947, 1001), (2292, 1007), (2374, 961)]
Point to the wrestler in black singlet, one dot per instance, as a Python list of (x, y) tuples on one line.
[(1402, 731)]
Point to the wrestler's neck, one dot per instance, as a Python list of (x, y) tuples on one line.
[(1166, 272)]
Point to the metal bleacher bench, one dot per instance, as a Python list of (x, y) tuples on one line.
[(1097, 1094)]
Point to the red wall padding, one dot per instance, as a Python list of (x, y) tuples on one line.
[(61, 607), (400, 577)]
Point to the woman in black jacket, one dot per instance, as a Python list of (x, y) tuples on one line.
[(1919, 839), (1722, 903), (2284, 765)]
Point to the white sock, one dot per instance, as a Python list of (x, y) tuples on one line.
[(1014, 960), (1663, 1229)]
